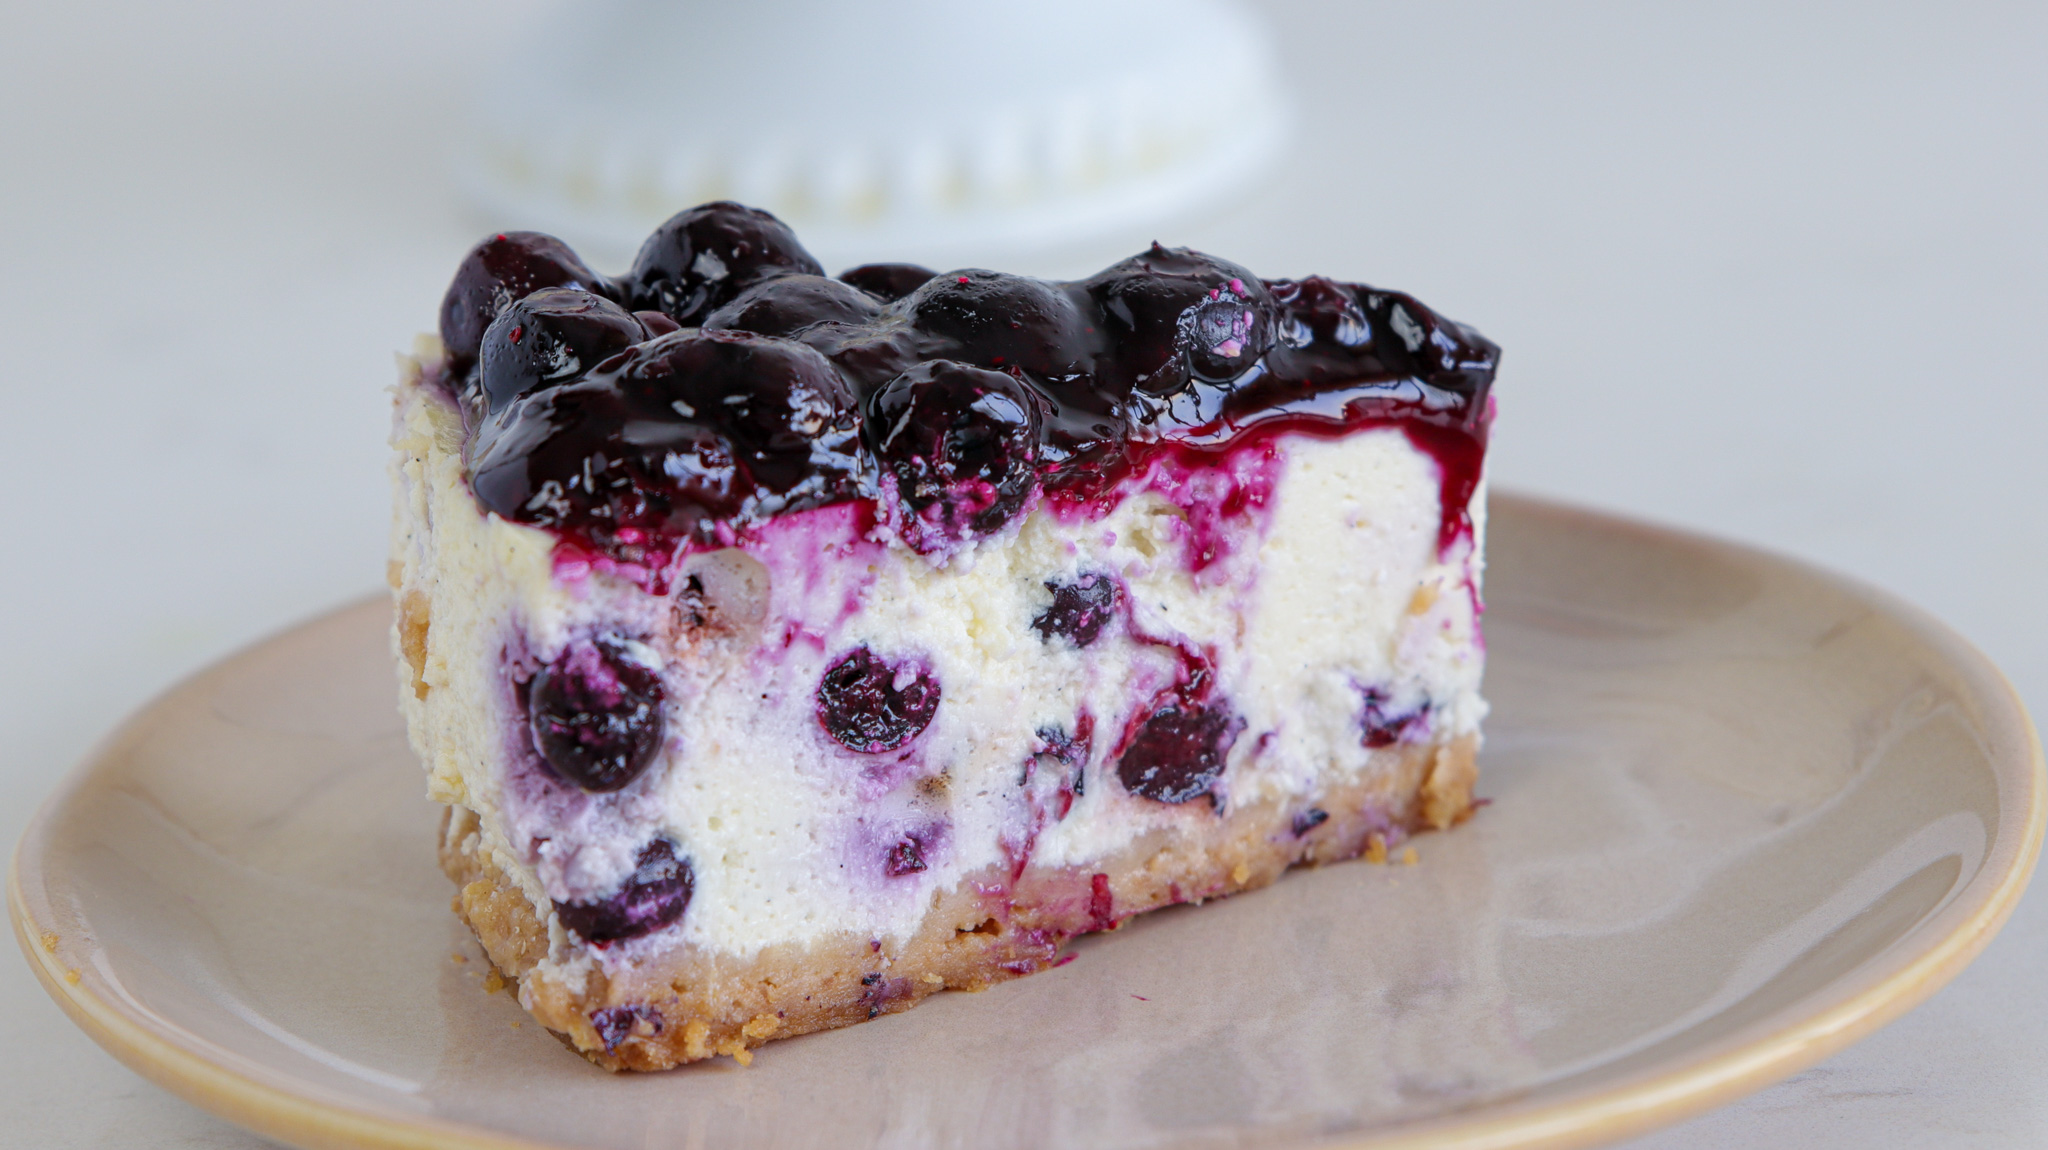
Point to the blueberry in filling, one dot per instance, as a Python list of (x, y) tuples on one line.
[(595, 714), (1178, 752), (870, 706), (655, 895), (1079, 610)]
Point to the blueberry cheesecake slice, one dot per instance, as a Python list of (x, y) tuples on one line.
[(787, 648)]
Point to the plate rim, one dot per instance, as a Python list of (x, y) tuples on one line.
[(152, 1048)]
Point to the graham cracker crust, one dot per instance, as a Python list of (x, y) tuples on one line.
[(685, 1005)]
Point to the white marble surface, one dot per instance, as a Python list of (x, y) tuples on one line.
[(1779, 274)]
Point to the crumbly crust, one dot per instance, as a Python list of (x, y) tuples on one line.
[(685, 1005)]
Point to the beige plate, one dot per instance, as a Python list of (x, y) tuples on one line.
[(1744, 813)]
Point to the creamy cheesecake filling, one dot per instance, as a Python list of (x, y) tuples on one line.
[(1330, 620)]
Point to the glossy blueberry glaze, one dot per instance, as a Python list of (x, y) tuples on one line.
[(958, 449), (951, 401)]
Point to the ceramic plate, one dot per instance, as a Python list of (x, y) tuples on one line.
[(1743, 813)]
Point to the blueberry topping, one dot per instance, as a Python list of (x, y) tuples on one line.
[(1002, 322), (788, 304), (682, 432), (1176, 314), (706, 256), (498, 273), (653, 896), (962, 444), (1334, 333), (1080, 610), (1309, 820), (552, 336), (869, 705), (596, 715), (733, 383), (887, 282), (656, 323)]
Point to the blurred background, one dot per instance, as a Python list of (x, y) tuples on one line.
[(1775, 272)]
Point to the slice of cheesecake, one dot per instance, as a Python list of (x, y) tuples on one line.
[(787, 648)]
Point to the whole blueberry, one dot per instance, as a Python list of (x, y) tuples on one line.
[(1175, 314), (653, 896), (551, 336), (962, 443), (595, 713), (701, 258), (787, 413), (1079, 610), (1002, 322), (787, 304), (888, 282), (870, 705), (498, 273), (682, 431), (1178, 751)]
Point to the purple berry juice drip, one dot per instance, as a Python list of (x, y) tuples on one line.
[(869, 705), (1101, 904), (1068, 754), (655, 895), (595, 714), (966, 390)]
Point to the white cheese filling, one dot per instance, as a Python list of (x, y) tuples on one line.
[(1330, 597)]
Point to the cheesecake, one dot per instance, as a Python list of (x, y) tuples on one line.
[(787, 648)]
